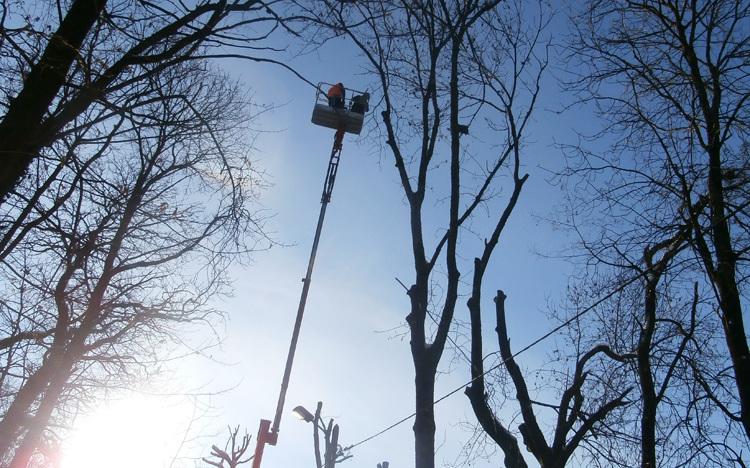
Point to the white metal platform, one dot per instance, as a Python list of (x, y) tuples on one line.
[(328, 116), (331, 117)]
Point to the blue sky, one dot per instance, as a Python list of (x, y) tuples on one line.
[(353, 353)]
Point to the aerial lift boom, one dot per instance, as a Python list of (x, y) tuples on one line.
[(344, 120)]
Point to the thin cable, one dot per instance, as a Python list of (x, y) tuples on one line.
[(513, 356)]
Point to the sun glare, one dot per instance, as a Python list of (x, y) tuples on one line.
[(146, 432)]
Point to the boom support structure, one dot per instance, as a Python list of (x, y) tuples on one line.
[(267, 433)]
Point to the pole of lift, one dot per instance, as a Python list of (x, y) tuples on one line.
[(268, 434)]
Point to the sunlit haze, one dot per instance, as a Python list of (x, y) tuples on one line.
[(136, 431)]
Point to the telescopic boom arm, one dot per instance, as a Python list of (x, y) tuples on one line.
[(268, 434)]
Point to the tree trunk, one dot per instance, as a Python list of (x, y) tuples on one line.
[(723, 276), (734, 331), (19, 130), (645, 378), (723, 271), (42, 417), (476, 391), (424, 422), (16, 417)]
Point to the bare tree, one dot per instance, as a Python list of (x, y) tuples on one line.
[(234, 451), (671, 81), (60, 58), (651, 314), (574, 421), (446, 70), (137, 231)]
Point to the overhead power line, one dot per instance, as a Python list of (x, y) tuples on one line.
[(575, 317)]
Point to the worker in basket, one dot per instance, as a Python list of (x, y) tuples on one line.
[(360, 103), (337, 96)]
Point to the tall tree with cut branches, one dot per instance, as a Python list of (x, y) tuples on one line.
[(671, 82), (446, 70)]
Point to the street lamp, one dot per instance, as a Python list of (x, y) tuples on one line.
[(301, 413), (333, 452)]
